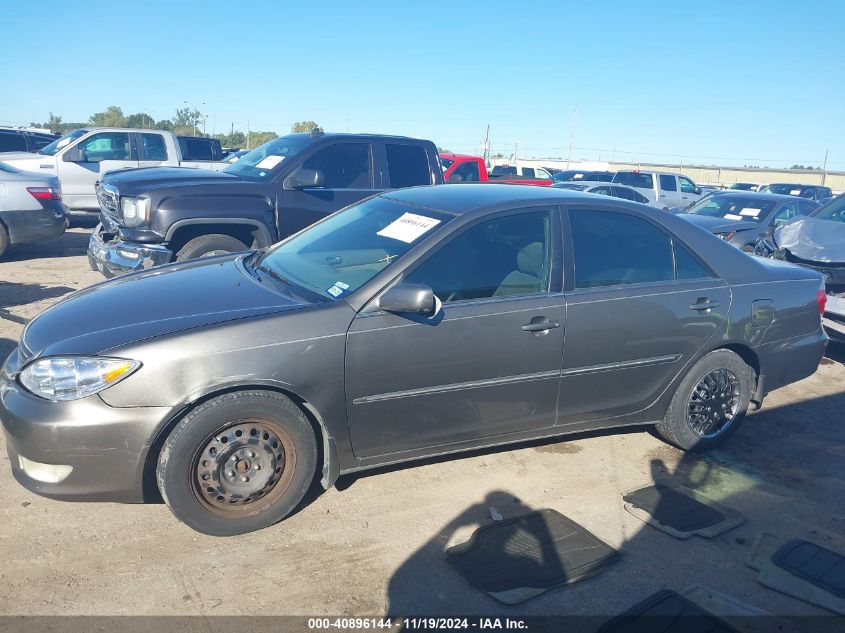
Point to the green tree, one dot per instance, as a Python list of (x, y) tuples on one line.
[(303, 126), (187, 121), (258, 138), (112, 117), (54, 123), (141, 120)]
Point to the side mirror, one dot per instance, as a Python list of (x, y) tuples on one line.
[(74, 155), (409, 299), (698, 191), (303, 178)]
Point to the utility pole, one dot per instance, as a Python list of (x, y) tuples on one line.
[(515, 151), (824, 167), (247, 135), (487, 146), (571, 137)]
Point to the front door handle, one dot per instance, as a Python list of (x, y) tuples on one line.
[(540, 324), (704, 305)]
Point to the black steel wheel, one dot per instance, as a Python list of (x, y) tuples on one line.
[(238, 463), (710, 402)]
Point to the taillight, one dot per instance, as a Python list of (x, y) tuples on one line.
[(821, 298), (45, 193)]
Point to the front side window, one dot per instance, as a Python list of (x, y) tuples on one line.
[(528, 172), (499, 258), (407, 165), (106, 146), (339, 255), (785, 213), (542, 174), (343, 165), (667, 183), (687, 185), (613, 249), (153, 147)]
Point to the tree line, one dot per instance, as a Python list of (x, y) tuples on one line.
[(186, 121)]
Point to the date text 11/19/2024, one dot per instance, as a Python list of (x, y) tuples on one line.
[(417, 624)]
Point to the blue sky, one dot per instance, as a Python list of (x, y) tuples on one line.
[(717, 82)]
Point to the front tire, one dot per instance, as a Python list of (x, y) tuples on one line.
[(238, 463), (710, 403), (209, 246)]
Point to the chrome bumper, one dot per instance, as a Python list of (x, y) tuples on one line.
[(116, 257)]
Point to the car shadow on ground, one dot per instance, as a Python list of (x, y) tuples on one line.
[(84, 220), (835, 352), (71, 244), (779, 465), (15, 294)]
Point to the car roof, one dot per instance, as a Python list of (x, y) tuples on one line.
[(454, 155), (464, 197)]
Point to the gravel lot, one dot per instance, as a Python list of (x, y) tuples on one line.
[(376, 546)]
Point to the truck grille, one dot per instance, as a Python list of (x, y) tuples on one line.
[(108, 199)]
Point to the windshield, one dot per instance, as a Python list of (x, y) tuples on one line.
[(731, 208), (59, 143), (445, 163), (785, 190), (260, 162), (342, 253), (634, 179), (833, 210)]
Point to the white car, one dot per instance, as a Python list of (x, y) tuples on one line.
[(81, 157), (605, 189), (663, 190)]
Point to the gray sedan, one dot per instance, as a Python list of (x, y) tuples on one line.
[(31, 207), (418, 322)]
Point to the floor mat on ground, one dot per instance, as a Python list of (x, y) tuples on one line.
[(813, 563), (680, 512), (769, 554), (666, 612), (519, 558)]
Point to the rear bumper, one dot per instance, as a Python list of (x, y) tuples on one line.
[(114, 256), (790, 360), (105, 448), (34, 225)]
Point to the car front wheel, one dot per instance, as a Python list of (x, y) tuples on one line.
[(710, 402), (238, 463)]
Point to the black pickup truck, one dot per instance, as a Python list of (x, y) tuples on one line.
[(152, 216)]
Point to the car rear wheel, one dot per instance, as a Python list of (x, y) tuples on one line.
[(710, 402), (4, 239), (238, 463), (209, 246)]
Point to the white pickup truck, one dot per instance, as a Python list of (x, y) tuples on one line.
[(81, 157), (663, 189)]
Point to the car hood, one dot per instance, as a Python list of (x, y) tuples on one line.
[(28, 161), (146, 179), (813, 240), (152, 303), (718, 225)]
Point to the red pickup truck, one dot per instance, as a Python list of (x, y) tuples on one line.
[(463, 168)]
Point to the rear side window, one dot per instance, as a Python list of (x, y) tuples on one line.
[(466, 172), (528, 172), (407, 165), (152, 147), (687, 265), (613, 249), (196, 148), (622, 192), (11, 142), (667, 183), (638, 197), (344, 166)]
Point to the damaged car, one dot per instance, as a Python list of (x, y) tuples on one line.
[(816, 242)]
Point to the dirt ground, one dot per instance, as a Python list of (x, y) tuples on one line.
[(375, 544)]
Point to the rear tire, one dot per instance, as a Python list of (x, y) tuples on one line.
[(4, 239), (710, 403), (210, 245), (238, 463)]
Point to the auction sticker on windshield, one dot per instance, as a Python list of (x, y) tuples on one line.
[(408, 227), (750, 211), (732, 216), (268, 162)]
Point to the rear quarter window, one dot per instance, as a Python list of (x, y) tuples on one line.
[(11, 142), (407, 165), (196, 148)]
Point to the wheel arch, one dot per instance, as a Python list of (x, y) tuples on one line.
[(251, 232), (327, 458), (747, 354)]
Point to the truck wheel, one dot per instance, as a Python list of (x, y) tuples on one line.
[(710, 402), (4, 239), (237, 463), (210, 245)]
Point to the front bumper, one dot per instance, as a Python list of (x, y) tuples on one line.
[(34, 225), (106, 447), (112, 256)]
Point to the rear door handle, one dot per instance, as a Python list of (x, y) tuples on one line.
[(704, 304), (540, 324)]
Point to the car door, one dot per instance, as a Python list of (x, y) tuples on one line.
[(152, 149), (101, 152), (487, 364), (668, 191), (348, 176), (689, 193), (640, 306)]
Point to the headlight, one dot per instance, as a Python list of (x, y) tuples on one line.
[(73, 377), (135, 211)]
